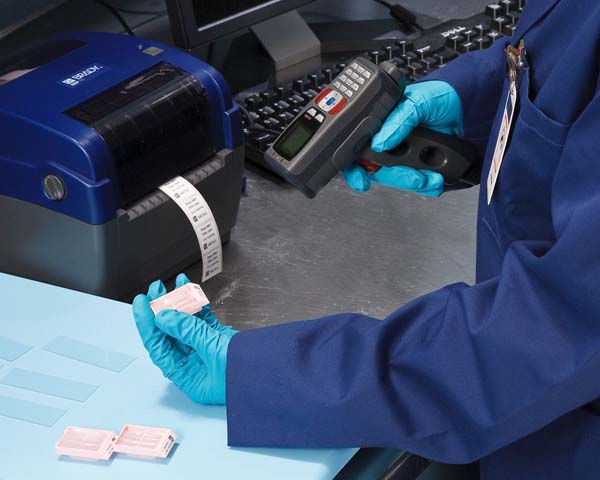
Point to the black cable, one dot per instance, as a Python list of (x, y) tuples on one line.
[(267, 130), (252, 125), (247, 113), (117, 15), (403, 15)]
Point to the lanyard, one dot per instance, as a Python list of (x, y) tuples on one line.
[(517, 60)]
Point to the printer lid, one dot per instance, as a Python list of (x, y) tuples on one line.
[(43, 82)]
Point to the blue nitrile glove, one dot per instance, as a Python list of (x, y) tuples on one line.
[(190, 350), (435, 105)]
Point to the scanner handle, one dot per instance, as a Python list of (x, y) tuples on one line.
[(424, 149)]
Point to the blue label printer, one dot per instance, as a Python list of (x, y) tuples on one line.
[(90, 125)]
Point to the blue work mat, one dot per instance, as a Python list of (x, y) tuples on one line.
[(38, 314)]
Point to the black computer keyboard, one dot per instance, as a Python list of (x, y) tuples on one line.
[(267, 113)]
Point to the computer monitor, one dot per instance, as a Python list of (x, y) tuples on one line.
[(195, 23), (15, 13)]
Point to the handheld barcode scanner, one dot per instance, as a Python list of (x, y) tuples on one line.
[(335, 130)]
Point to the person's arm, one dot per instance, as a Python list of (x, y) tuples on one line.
[(456, 374), (478, 78)]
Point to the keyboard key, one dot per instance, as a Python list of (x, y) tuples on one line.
[(468, 34), (299, 85), (499, 22), (295, 100), (405, 46), (286, 117), (482, 42), (508, 5), (282, 92), (314, 80), (254, 102), (415, 69), (376, 56), (453, 41), (494, 35), (310, 93), (429, 63), (494, 10), (268, 96), (423, 51), (509, 30), (281, 106), (467, 47), (409, 57), (513, 17), (389, 52), (327, 74), (271, 123), (481, 29), (265, 112)]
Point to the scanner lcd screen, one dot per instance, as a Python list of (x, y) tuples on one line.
[(296, 137)]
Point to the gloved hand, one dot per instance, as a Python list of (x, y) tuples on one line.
[(190, 350), (435, 105)]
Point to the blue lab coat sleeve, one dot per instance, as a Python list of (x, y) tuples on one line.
[(478, 78), (453, 375)]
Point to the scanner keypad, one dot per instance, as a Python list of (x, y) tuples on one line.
[(352, 79)]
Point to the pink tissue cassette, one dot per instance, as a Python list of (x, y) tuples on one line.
[(86, 443), (188, 299), (147, 442)]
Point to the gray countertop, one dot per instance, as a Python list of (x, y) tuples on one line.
[(293, 258)]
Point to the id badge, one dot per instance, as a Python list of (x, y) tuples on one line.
[(516, 57), (501, 142)]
